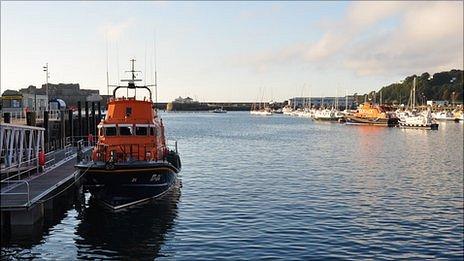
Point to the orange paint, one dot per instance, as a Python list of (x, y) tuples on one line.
[(130, 131)]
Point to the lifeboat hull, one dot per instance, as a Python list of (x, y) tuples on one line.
[(383, 122), (123, 185)]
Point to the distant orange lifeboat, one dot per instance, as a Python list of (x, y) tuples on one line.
[(131, 161), (370, 114)]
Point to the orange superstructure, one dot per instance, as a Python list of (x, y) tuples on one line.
[(368, 110), (131, 130)]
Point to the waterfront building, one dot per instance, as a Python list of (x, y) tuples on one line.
[(35, 99), (299, 102), (184, 100), (17, 103)]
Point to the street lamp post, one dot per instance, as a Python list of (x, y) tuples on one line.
[(47, 75)]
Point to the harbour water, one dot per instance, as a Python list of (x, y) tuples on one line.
[(279, 188)]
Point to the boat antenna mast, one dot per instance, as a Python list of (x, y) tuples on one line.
[(155, 72), (131, 82), (107, 75)]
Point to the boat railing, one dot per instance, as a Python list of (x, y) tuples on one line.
[(125, 152), (172, 145)]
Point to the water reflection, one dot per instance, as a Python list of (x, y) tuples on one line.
[(26, 237), (135, 233)]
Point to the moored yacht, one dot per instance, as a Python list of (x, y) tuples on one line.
[(419, 120), (413, 118), (219, 110), (326, 115)]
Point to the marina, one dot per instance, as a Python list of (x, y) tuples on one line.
[(326, 185), (153, 130)]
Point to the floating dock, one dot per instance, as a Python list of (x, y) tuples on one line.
[(26, 187)]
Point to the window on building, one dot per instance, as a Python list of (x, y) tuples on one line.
[(141, 131), (15, 104), (125, 131), (110, 131)]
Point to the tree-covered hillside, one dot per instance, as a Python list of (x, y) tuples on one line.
[(440, 86)]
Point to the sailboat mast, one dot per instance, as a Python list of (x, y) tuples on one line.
[(346, 101), (414, 93)]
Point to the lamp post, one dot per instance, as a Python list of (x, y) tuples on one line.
[(47, 75)]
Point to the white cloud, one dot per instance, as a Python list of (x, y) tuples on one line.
[(420, 36), (429, 38)]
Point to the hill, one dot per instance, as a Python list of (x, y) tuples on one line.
[(440, 86)]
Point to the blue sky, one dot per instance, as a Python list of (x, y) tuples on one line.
[(229, 51)]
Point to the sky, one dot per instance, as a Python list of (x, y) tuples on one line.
[(230, 51)]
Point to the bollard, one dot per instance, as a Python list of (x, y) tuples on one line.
[(7, 117), (45, 125), (31, 118), (99, 113), (79, 119), (62, 129), (86, 132), (70, 125), (93, 119)]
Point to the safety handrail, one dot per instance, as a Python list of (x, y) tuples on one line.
[(172, 143), (20, 172), (18, 193)]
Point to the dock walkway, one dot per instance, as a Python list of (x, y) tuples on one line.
[(23, 194)]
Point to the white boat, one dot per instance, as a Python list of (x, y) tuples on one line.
[(277, 111), (219, 110), (414, 118), (262, 112), (326, 115), (287, 110), (443, 116)]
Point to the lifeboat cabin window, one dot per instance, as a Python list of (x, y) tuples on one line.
[(152, 131), (141, 131), (125, 131), (110, 131), (128, 111)]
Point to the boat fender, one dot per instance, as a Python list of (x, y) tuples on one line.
[(41, 158), (179, 164)]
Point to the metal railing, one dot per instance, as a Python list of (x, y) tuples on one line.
[(33, 166), (28, 193), (172, 145)]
